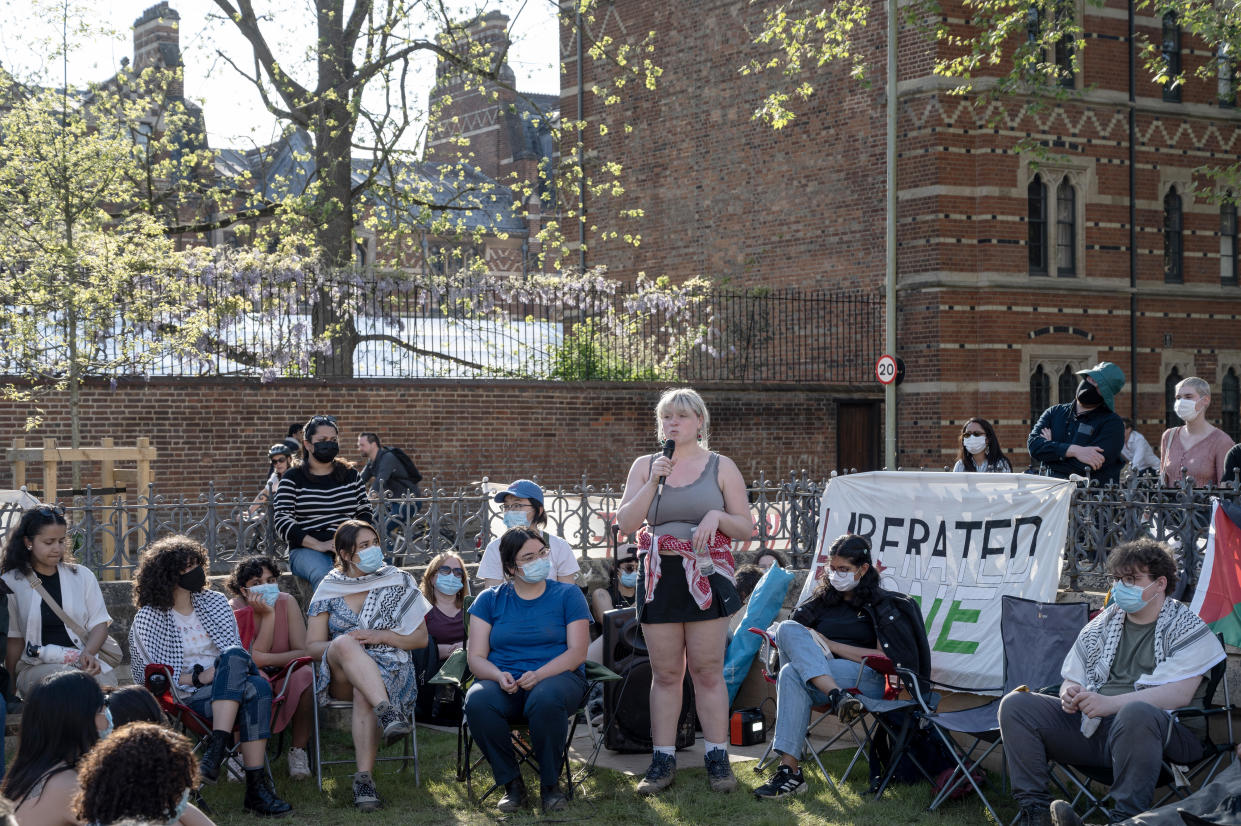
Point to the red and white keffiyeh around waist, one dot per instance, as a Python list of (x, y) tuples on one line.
[(720, 549)]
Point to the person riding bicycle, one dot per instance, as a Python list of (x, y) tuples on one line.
[(281, 458)]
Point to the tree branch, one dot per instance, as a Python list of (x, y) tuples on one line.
[(290, 91)]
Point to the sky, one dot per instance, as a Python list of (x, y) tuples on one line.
[(100, 34)]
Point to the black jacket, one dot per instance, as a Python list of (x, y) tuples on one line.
[(899, 629), (1099, 427)]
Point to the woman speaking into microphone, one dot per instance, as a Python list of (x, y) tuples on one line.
[(693, 503)]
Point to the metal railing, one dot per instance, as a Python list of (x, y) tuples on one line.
[(109, 531)]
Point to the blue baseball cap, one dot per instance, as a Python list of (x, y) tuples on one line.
[(522, 489)]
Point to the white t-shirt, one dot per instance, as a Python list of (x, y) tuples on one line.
[(196, 645), (564, 563)]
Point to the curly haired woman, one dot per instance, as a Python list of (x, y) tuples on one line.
[(189, 628), (142, 772)]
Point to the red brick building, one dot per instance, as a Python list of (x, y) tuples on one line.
[(1013, 270)]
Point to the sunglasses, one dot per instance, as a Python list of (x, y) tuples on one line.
[(459, 573), (49, 510)]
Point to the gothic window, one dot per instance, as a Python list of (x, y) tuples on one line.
[(1226, 74), (1169, 398), (1172, 238), (1040, 393), (1228, 243), (1036, 218), (1061, 53), (1230, 413), (1170, 46), (1066, 229), (1066, 385)]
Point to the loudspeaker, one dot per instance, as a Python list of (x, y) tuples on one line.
[(626, 702)]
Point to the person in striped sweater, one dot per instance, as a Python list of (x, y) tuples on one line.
[(314, 498)]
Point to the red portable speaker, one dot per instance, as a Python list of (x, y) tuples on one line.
[(747, 727)]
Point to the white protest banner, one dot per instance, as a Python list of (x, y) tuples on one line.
[(956, 543)]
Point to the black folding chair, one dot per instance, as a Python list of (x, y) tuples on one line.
[(1036, 637)]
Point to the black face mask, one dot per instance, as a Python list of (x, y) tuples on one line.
[(1088, 394), (325, 451), (193, 581)]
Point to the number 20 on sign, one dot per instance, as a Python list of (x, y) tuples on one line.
[(885, 369)]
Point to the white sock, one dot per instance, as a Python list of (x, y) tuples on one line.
[(671, 751), (709, 747)]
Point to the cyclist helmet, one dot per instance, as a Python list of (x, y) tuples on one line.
[(279, 449)]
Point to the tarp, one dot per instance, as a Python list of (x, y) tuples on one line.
[(956, 543), (761, 611)]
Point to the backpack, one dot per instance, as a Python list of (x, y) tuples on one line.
[(411, 471)]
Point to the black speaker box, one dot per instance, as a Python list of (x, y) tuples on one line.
[(626, 702)]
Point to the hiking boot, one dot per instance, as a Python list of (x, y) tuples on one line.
[(365, 797), (1033, 814), (719, 771), (392, 722), (554, 800), (261, 797), (659, 775), (783, 783), (515, 797), (213, 755), (1062, 814), (299, 764), (846, 707)]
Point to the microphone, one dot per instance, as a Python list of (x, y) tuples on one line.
[(669, 447)]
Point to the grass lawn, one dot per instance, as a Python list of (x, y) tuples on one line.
[(608, 798)]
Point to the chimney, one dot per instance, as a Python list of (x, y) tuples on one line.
[(491, 30), (157, 40)]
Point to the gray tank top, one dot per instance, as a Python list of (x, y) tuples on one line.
[(682, 508)]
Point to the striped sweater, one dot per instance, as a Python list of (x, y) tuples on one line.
[(312, 505)]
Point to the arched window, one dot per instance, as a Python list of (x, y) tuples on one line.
[(1228, 243), (1036, 218), (1169, 399), (1172, 238), (1170, 45), (1066, 229), (1230, 410), (1066, 385), (1060, 54), (1040, 393)]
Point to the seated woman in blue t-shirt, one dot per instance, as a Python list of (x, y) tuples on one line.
[(526, 646)]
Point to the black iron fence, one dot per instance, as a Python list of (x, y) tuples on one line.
[(109, 531), (399, 325)]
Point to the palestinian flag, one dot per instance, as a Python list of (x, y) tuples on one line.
[(1218, 596)]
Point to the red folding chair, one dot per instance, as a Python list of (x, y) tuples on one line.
[(158, 678)]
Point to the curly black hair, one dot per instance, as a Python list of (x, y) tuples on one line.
[(856, 549), (249, 568), (1143, 556), (16, 555), (140, 772), (747, 577), (161, 565)]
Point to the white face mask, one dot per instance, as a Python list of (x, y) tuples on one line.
[(842, 580), (1187, 409), (975, 444)]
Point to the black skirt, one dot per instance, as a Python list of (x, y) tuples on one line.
[(674, 603)]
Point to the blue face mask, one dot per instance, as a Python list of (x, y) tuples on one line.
[(535, 571), (448, 584), (516, 519), (369, 560), (107, 713), (1129, 597), (268, 592), (180, 809), (629, 578)]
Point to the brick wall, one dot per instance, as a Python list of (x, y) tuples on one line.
[(219, 429)]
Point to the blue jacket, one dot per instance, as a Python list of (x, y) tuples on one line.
[(1099, 427)]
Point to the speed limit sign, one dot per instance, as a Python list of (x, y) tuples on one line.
[(889, 369)]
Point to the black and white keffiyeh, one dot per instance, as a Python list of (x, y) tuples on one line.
[(154, 638), (1184, 647)]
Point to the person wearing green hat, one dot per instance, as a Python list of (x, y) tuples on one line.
[(1084, 436)]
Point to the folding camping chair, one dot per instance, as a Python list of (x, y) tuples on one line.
[(455, 672), (1055, 626), (409, 743), (1179, 781)]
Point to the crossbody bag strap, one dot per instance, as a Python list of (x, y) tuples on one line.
[(56, 609)]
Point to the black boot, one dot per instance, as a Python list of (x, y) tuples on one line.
[(515, 797), (261, 798), (214, 754)]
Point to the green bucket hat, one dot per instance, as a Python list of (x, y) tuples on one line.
[(1108, 378)]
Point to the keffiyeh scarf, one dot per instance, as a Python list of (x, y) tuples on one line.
[(699, 585)]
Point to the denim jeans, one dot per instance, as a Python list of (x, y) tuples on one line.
[(310, 565), (802, 660), (546, 708), (237, 678)]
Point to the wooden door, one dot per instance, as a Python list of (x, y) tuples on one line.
[(858, 428)]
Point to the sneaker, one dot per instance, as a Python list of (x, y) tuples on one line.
[(1033, 814), (391, 722), (365, 798), (847, 707), (299, 764), (783, 783), (719, 771), (1062, 814), (659, 775)]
